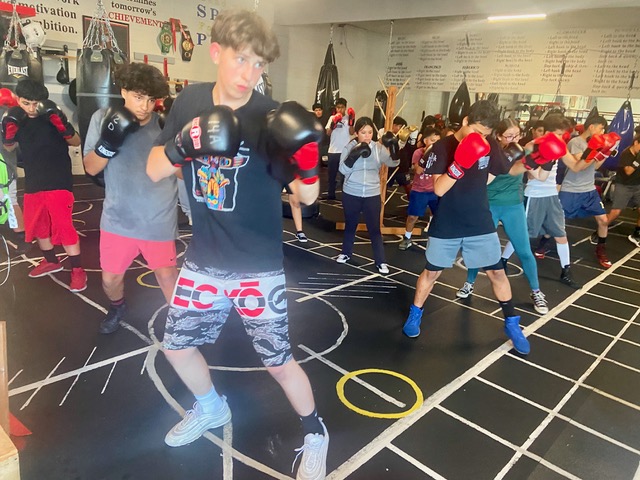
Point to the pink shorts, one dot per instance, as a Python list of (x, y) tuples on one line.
[(49, 214), (118, 252)]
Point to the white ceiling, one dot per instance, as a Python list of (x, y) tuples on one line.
[(375, 15)]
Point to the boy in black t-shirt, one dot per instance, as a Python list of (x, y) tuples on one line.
[(44, 135), (463, 220), (235, 158)]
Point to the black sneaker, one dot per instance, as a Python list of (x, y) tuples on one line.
[(635, 239), (111, 322), (593, 238), (567, 279)]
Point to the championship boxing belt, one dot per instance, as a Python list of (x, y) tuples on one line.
[(164, 38), (186, 44)]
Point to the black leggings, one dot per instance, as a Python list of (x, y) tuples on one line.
[(370, 208)]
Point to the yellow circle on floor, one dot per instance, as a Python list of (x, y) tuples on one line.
[(367, 413)]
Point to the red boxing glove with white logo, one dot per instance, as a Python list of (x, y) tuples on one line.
[(601, 147), (471, 149), (306, 161)]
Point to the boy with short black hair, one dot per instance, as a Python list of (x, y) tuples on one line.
[(339, 128), (138, 215), (462, 165), (235, 157), (44, 134)]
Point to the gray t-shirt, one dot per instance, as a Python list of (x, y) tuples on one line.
[(134, 206), (583, 181)]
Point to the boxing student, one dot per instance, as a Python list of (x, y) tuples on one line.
[(339, 128), (234, 148), (138, 215), (44, 135), (462, 165), (578, 194)]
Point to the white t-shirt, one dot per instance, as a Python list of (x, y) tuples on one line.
[(538, 189), (340, 135)]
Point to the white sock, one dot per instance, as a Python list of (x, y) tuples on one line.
[(210, 401), (407, 235), (563, 253), (508, 250)]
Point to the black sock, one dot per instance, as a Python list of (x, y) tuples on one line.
[(636, 232), (601, 239), (508, 310), (75, 261), (50, 256), (311, 423), (19, 236), (117, 303)]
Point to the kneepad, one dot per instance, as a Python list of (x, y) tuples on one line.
[(498, 266)]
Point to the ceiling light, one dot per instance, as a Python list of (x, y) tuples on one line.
[(503, 18)]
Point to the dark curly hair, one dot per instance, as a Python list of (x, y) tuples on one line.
[(32, 90), (142, 78)]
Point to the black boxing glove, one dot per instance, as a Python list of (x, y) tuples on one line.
[(390, 141), (58, 119), (289, 128), (514, 152), (11, 123), (359, 150), (216, 134), (118, 122)]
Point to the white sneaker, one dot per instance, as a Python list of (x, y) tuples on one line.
[(313, 465), (383, 268), (342, 258), (195, 423), (465, 291), (539, 302)]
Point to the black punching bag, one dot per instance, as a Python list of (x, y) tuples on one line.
[(459, 107), (96, 88), (379, 110), (19, 63)]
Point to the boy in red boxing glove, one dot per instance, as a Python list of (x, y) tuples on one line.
[(462, 165), (578, 193)]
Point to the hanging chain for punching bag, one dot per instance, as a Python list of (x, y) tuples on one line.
[(100, 36)]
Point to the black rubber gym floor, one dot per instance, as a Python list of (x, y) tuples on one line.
[(455, 403)]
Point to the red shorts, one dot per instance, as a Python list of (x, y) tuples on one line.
[(117, 252), (49, 214)]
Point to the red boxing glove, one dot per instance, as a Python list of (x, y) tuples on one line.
[(471, 149), (351, 113), (566, 136), (335, 120), (306, 160), (601, 147), (7, 98), (159, 105), (546, 148)]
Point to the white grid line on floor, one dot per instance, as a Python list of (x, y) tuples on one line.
[(392, 432)]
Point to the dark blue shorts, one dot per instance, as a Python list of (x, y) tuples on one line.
[(583, 204), (419, 201)]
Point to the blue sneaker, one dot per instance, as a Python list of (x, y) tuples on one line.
[(412, 326), (513, 331)]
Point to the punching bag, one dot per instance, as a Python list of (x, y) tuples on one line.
[(19, 63), (593, 113), (379, 110), (622, 124), (459, 107), (96, 88), (328, 88)]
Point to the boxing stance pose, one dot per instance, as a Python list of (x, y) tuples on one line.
[(506, 202), (339, 128), (462, 165), (578, 193), (360, 164), (138, 215), (234, 148), (44, 135)]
